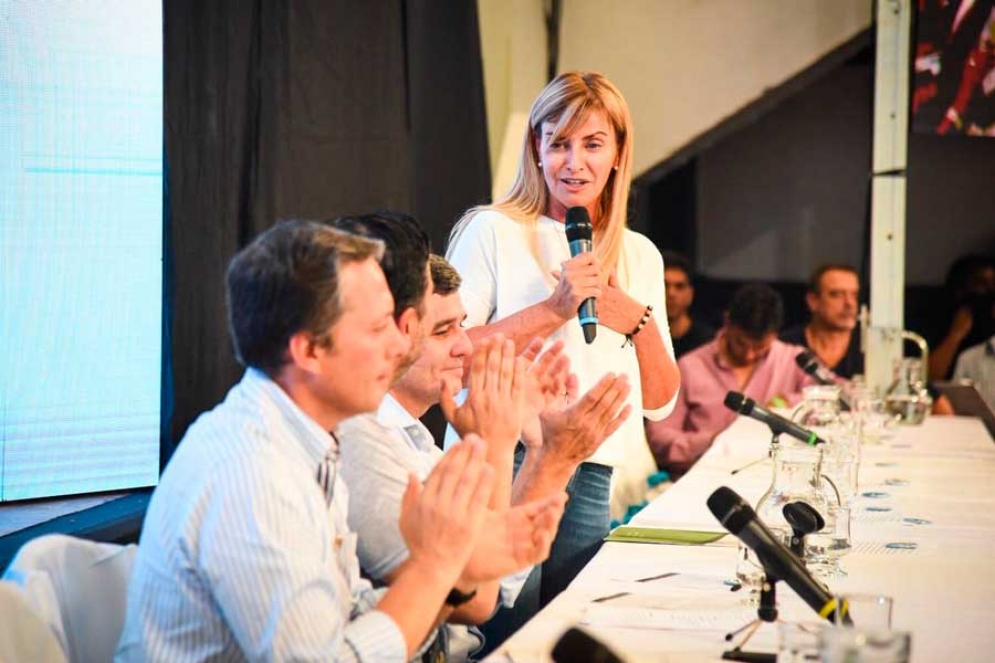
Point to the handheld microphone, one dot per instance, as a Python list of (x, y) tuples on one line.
[(740, 404), (808, 362), (779, 563), (576, 646), (579, 234)]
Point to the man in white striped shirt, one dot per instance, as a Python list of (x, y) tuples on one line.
[(379, 451), (245, 552), (376, 467)]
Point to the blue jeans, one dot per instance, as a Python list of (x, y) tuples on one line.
[(584, 526)]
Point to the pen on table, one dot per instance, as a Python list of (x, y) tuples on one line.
[(602, 599), (749, 465), (659, 577)]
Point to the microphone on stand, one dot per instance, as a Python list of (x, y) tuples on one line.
[(740, 519), (808, 362), (579, 235), (740, 404)]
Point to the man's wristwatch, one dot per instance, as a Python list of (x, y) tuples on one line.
[(457, 598)]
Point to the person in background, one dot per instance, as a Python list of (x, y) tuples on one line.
[(687, 333), (245, 551), (746, 356), (977, 363), (520, 280), (970, 285), (832, 332)]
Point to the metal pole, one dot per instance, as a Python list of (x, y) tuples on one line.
[(891, 109)]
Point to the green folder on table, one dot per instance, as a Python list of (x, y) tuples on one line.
[(681, 537)]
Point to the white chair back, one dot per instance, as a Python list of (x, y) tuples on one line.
[(79, 588), (24, 636)]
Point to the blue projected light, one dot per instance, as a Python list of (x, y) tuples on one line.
[(80, 245)]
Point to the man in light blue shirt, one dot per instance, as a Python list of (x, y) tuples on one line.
[(378, 452), (245, 551)]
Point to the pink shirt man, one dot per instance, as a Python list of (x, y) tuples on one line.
[(700, 414)]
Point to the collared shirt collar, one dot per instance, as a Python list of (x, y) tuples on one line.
[(392, 413), (720, 363), (313, 440)]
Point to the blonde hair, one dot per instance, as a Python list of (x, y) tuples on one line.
[(566, 102)]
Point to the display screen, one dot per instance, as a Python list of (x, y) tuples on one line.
[(81, 227), (954, 73)]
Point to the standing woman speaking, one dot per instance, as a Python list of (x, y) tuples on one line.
[(519, 280)]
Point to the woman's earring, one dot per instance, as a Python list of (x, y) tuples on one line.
[(539, 163), (615, 167)]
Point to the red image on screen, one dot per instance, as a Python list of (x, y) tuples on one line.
[(954, 72)]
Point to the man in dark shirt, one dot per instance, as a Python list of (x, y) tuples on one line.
[(832, 332), (686, 333)]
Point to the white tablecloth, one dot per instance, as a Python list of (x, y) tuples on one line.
[(942, 472)]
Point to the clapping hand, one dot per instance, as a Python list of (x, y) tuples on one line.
[(442, 521), (546, 382), (516, 539), (495, 397), (573, 429)]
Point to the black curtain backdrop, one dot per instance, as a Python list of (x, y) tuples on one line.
[(310, 108)]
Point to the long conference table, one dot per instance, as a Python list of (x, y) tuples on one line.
[(922, 531)]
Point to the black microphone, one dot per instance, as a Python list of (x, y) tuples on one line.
[(808, 362), (804, 520), (740, 404), (779, 563), (576, 646), (579, 234)]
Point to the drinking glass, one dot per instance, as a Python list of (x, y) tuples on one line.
[(798, 642), (824, 548), (866, 612), (848, 645), (877, 424)]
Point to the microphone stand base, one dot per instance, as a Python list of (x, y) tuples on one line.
[(738, 654), (766, 612)]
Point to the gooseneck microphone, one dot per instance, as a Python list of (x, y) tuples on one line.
[(808, 362), (740, 404), (779, 563), (579, 235)]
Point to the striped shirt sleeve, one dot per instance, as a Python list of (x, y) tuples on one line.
[(277, 582)]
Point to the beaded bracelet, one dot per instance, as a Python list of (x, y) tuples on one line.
[(642, 323)]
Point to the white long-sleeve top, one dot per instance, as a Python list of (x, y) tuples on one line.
[(506, 265)]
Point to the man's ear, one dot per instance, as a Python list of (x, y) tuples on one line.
[(303, 351), (811, 300), (408, 322)]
